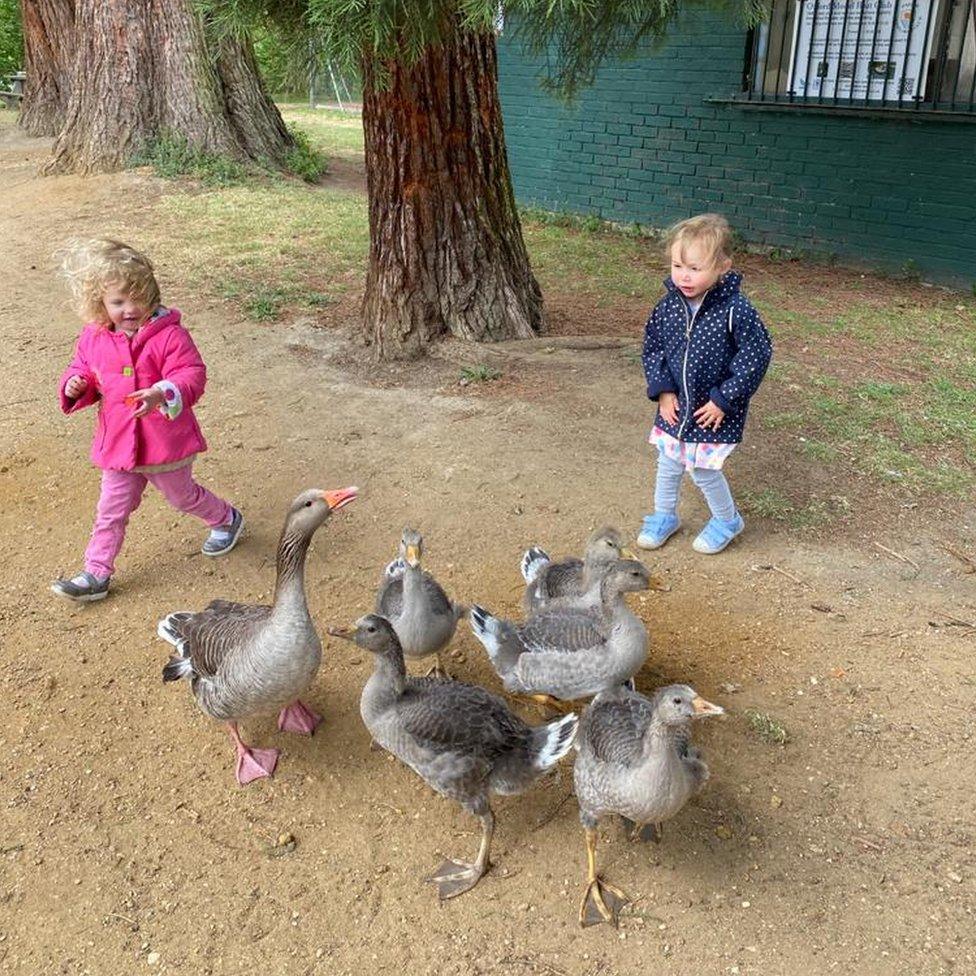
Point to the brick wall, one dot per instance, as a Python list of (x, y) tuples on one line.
[(643, 144)]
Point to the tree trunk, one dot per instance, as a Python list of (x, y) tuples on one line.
[(446, 248), (144, 70), (49, 55), (256, 121)]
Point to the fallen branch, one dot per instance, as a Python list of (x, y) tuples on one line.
[(782, 572), (967, 561), (125, 918), (897, 555), (951, 621)]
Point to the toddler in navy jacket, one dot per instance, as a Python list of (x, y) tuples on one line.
[(705, 354)]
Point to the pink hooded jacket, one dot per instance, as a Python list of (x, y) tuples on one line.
[(116, 366)]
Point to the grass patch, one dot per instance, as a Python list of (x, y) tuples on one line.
[(819, 450), (172, 156), (566, 258), (768, 503), (274, 247), (788, 420), (304, 159), (336, 134), (767, 728), (264, 305), (772, 504), (479, 374), (263, 302)]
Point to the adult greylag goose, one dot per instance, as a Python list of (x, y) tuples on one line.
[(635, 759), (422, 614), (460, 739), (566, 652), (547, 579), (243, 659)]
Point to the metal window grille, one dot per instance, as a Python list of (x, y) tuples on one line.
[(908, 55)]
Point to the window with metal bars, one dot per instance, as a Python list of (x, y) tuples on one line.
[(902, 55)]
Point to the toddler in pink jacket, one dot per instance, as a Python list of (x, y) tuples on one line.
[(137, 362)]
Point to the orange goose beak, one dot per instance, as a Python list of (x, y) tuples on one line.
[(340, 497), (704, 708)]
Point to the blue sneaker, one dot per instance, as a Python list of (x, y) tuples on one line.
[(657, 529), (223, 538), (717, 534)]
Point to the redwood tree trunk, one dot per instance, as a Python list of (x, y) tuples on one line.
[(255, 119), (446, 247), (144, 69), (49, 55)]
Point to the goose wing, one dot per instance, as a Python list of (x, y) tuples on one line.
[(216, 632), (614, 730), (564, 578), (451, 716), (563, 631), (389, 598), (437, 599)]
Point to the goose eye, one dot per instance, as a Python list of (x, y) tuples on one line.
[(308, 504), (371, 629), (677, 701)]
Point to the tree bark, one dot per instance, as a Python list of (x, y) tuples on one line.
[(446, 247), (255, 119), (143, 70), (49, 54)]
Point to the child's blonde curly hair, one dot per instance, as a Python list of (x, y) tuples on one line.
[(710, 231), (92, 266)]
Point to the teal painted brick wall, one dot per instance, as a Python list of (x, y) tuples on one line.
[(643, 144)]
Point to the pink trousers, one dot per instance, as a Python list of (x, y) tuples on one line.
[(120, 497)]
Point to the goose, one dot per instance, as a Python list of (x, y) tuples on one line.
[(460, 739), (635, 759), (547, 580), (567, 652), (245, 659), (422, 614)]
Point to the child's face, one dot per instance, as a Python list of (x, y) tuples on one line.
[(123, 311), (694, 271)]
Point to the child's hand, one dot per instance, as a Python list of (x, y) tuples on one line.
[(709, 416), (75, 387), (145, 400), (668, 405)]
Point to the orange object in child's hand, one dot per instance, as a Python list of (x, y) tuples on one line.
[(131, 400)]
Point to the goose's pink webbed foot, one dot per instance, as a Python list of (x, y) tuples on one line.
[(298, 717), (252, 763)]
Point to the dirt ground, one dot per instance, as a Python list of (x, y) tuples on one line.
[(126, 846)]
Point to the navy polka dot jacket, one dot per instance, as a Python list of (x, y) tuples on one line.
[(720, 354)]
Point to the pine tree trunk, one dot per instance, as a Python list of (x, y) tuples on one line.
[(143, 70), (446, 247), (49, 55)]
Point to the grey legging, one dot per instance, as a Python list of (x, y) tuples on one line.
[(712, 483)]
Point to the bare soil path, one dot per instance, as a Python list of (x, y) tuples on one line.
[(126, 847)]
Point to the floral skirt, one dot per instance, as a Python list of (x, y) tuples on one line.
[(691, 455)]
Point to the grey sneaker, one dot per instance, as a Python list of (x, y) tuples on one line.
[(223, 538), (83, 588)]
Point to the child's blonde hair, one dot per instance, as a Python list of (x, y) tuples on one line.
[(709, 231), (92, 266)]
